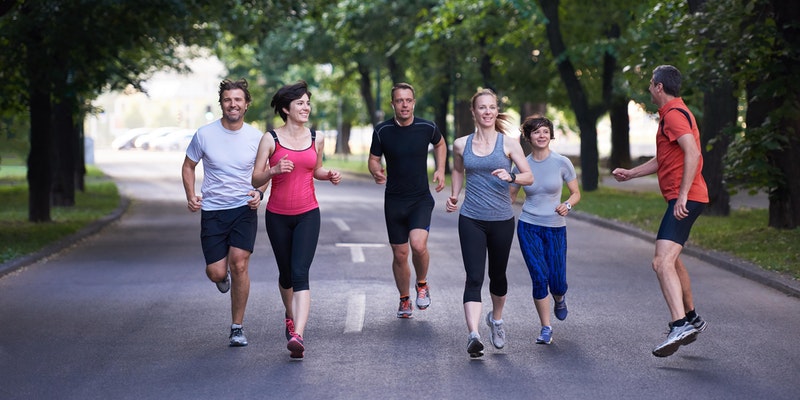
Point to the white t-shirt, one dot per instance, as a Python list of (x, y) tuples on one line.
[(228, 158)]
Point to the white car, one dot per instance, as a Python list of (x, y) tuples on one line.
[(174, 141), (125, 140), (143, 142)]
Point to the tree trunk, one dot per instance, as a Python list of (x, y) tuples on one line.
[(577, 97), (365, 87), (41, 140), (64, 168), (720, 108), (343, 140), (464, 124), (620, 134)]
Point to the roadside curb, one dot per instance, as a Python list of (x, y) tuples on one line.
[(54, 248), (722, 260)]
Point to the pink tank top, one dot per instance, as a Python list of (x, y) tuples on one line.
[(293, 193)]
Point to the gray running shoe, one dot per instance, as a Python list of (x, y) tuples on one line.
[(498, 337), (423, 297), (545, 336), (699, 323), (678, 335), (475, 346), (225, 285), (237, 337)]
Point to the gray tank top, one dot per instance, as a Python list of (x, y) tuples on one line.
[(486, 197)]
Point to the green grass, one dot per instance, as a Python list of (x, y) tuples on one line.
[(20, 237), (743, 234)]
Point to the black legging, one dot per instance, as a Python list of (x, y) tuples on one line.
[(477, 239), (294, 242)]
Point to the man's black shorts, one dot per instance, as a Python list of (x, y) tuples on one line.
[(222, 229), (403, 215)]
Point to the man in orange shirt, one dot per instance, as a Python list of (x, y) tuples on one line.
[(678, 164)]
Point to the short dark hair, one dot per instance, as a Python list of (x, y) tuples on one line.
[(669, 77), (228, 84), (403, 85), (534, 122), (284, 97)]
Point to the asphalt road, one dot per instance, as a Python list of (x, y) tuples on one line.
[(129, 314)]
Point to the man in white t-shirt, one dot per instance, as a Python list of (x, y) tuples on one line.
[(228, 202)]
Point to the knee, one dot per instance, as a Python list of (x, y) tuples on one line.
[(400, 252), (239, 266), (660, 264), (419, 247)]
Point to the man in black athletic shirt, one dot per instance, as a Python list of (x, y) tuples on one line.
[(403, 141)]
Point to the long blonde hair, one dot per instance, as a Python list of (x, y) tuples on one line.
[(503, 121)]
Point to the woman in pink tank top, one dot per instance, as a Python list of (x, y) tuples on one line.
[(291, 158)]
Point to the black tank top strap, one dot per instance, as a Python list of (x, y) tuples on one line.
[(313, 135), (274, 135)]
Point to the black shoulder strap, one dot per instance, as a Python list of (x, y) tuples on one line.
[(313, 135), (685, 113), (274, 135)]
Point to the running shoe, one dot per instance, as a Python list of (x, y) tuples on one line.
[(545, 336), (423, 296), (405, 309), (560, 308), (295, 346), (289, 327), (498, 336), (237, 336), (699, 323), (224, 285), (474, 345), (678, 335)]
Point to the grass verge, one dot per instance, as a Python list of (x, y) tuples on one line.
[(744, 233), (20, 237)]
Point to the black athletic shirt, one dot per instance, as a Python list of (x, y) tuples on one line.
[(405, 149)]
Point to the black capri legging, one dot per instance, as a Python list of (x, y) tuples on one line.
[(479, 238), (294, 242)]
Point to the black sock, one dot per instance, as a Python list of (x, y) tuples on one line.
[(679, 322), (422, 283), (691, 315), (404, 298)]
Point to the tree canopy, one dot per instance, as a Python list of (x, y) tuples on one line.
[(739, 58)]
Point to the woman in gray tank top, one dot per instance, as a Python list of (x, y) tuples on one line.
[(486, 219)]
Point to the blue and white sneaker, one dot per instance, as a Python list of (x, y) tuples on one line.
[(545, 336)]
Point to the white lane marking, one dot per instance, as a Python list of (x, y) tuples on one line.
[(356, 304), (356, 252), (340, 224)]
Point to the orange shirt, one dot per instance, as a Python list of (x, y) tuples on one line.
[(670, 156)]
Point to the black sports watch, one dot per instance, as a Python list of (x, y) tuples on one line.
[(513, 177)]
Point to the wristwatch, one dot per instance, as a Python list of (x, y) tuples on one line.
[(513, 177), (569, 206)]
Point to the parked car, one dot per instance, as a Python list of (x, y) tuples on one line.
[(143, 142), (174, 141), (125, 140)]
